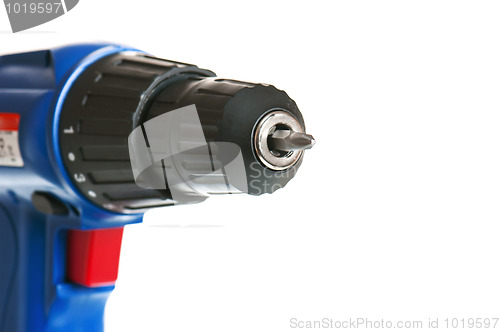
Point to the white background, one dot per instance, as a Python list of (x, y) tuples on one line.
[(394, 214)]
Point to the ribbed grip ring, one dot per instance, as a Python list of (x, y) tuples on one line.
[(103, 106)]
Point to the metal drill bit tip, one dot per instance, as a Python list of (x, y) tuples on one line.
[(279, 140), (287, 140)]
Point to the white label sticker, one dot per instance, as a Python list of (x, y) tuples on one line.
[(10, 155)]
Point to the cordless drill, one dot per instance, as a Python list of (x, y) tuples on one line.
[(94, 135)]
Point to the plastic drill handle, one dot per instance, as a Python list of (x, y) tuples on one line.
[(34, 295)]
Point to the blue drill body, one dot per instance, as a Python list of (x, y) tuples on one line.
[(35, 295)]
